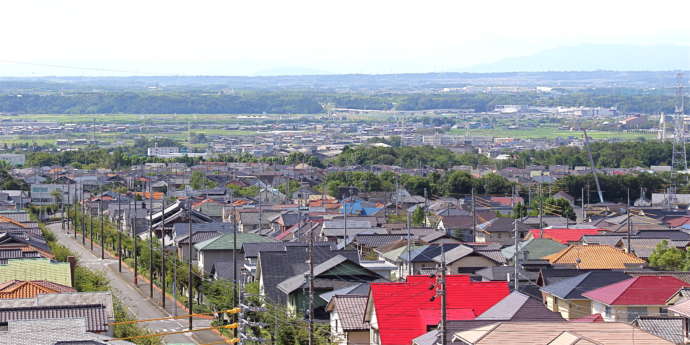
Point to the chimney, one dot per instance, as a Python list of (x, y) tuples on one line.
[(72, 266)]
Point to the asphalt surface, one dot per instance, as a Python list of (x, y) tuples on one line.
[(136, 298)]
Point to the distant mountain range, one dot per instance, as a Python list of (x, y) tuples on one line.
[(594, 58)]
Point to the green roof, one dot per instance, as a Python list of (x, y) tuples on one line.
[(36, 269), (395, 254), (537, 248), (225, 241)]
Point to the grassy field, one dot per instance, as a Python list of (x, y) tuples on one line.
[(129, 118), (551, 133)]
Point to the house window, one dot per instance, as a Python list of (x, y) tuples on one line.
[(607, 311)]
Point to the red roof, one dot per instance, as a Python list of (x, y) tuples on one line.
[(642, 290), (678, 221), (506, 200), (405, 310), (563, 235)]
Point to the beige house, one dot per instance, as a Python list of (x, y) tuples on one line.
[(347, 320)]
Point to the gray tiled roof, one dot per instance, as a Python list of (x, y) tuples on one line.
[(182, 229), (278, 266), (251, 250), (95, 314), (350, 309), (665, 327), (377, 240)]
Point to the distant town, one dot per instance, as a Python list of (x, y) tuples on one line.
[(558, 224)]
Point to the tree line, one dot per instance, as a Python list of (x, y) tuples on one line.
[(309, 102)]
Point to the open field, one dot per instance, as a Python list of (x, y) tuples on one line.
[(129, 118), (124, 138), (551, 133)]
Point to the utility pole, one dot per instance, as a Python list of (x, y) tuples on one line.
[(119, 233), (190, 304), (409, 263), (90, 225), (150, 241), (629, 222), (582, 201), (474, 217), (345, 218), (100, 210), (83, 218), (444, 328), (163, 283), (516, 259), (236, 290), (311, 287), (426, 207), (62, 206), (541, 212), (261, 212), (132, 224)]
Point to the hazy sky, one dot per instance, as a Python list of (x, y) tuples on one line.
[(352, 36)]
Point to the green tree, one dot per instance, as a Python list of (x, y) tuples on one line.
[(668, 258), (519, 210), (200, 181), (418, 216), (559, 207)]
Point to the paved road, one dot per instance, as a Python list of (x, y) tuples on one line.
[(134, 298)]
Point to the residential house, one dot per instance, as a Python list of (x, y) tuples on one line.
[(637, 296), (462, 226), (516, 307), (347, 320), (400, 312), (54, 331), (36, 269), (563, 235), (337, 230), (565, 297), (333, 274), (469, 259), (553, 333), (29, 289), (222, 248), (273, 267), (594, 257), (500, 230), (533, 249)]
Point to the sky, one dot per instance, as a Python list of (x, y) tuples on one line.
[(153, 37)]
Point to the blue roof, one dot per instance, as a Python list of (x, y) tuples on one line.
[(357, 208)]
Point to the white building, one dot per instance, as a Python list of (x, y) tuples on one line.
[(43, 194), (162, 151)]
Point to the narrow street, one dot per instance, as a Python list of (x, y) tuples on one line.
[(136, 298)]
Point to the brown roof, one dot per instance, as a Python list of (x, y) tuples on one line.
[(594, 257), (350, 309), (29, 289), (540, 333)]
